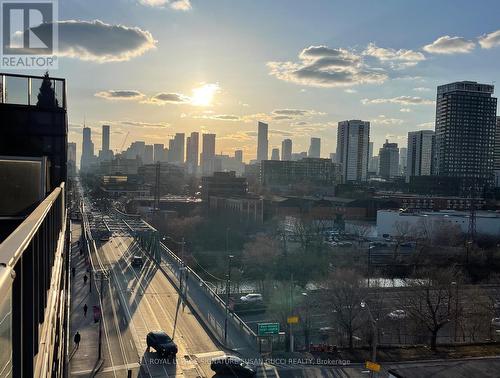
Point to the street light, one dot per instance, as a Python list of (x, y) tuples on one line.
[(228, 292), (364, 305)]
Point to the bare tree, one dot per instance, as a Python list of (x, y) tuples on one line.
[(430, 300), (345, 294), (259, 257)]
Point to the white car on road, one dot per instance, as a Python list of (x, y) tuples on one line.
[(252, 298), (397, 314)]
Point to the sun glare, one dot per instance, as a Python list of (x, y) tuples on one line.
[(204, 95)]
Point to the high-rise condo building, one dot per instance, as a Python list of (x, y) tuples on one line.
[(353, 138), (238, 156), (286, 150), (87, 157), (314, 148), (158, 152), (176, 149), (262, 142), (389, 160), (497, 154), (208, 154), (402, 160), (275, 154), (105, 154), (419, 153), (465, 131), (192, 152), (148, 154)]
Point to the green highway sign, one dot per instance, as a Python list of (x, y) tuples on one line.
[(266, 329)]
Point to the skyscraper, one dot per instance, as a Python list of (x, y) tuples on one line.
[(148, 154), (105, 154), (208, 154), (465, 131), (87, 149), (402, 160), (419, 153), (286, 150), (497, 154), (238, 156), (158, 152), (176, 148), (315, 148), (192, 152), (389, 160), (262, 142), (71, 159), (105, 138), (353, 139), (275, 154)]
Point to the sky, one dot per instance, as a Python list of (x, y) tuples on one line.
[(152, 68)]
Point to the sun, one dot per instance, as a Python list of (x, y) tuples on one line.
[(204, 95)]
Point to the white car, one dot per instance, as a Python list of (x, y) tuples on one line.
[(495, 322), (251, 298), (397, 314)]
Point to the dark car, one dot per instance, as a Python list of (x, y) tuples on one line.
[(232, 365), (161, 343), (137, 261)]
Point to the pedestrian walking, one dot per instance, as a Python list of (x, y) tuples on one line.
[(85, 308), (73, 271), (77, 339), (85, 278)]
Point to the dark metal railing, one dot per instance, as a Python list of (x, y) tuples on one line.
[(25, 90), (33, 254)]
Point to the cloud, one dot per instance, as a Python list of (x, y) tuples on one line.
[(183, 5), (450, 45), (219, 117), (295, 112), (405, 110), (99, 42), (426, 125), (383, 120), (401, 100), (404, 58), (488, 41), (422, 89), (163, 98), (321, 66), (120, 95), (350, 90), (154, 125)]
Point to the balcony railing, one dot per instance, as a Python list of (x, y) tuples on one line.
[(25, 90), (32, 292)]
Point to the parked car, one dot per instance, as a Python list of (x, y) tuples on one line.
[(495, 322), (232, 365), (161, 343), (251, 298), (397, 314), (137, 261)]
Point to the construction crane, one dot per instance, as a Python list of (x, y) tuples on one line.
[(123, 143)]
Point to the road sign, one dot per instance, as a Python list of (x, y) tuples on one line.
[(292, 320), (373, 366), (266, 329)]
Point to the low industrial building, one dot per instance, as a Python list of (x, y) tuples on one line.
[(392, 222)]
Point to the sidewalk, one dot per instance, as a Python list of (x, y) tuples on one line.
[(82, 360)]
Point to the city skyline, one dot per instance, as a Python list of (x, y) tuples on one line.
[(390, 81)]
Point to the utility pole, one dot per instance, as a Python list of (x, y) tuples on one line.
[(375, 334)]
